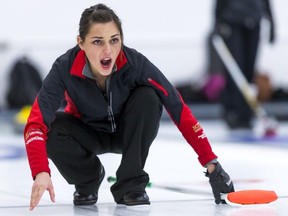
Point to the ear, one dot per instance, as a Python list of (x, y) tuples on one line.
[(80, 42)]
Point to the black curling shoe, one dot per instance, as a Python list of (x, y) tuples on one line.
[(134, 199), (83, 199)]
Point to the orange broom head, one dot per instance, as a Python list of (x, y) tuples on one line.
[(247, 197)]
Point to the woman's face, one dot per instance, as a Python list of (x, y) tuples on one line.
[(102, 45)]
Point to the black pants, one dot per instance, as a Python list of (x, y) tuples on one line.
[(73, 146), (243, 45)]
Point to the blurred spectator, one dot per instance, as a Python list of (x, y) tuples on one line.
[(239, 22), (24, 83)]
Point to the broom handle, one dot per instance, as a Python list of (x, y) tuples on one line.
[(237, 75), (112, 179)]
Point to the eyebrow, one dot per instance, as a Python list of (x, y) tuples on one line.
[(96, 37), (115, 35)]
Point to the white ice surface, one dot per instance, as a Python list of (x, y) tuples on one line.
[(257, 164)]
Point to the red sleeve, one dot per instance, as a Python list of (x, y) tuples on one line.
[(195, 136), (35, 135), (183, 118)]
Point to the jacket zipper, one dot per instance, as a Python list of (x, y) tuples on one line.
[(109, 103), (110, 113)]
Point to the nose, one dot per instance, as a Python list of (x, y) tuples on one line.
[(107, 49)]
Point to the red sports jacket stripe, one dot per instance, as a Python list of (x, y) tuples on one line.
[(71, 108), (35, 141), (195, 136)]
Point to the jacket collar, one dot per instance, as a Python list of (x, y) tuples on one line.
[(80, 62)]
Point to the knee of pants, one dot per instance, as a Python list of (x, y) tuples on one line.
[(56, 136), (146, 98)]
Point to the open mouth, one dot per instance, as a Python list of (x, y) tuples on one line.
[(106, 62)]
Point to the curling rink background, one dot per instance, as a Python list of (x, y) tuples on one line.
[(252, 162)]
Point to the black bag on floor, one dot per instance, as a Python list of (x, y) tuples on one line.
[(24, 83)]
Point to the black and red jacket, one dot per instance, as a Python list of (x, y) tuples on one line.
[(86, 101)]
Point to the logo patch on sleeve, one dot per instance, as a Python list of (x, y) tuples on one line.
[(197, 127), (202, 136)]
